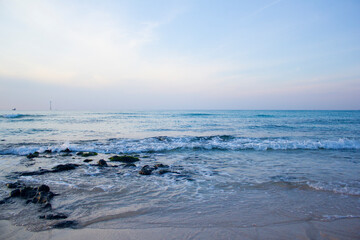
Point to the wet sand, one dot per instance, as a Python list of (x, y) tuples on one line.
[(339, 229)]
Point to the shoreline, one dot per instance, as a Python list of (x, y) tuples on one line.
[(339, 229)]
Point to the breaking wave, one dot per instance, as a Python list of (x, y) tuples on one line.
[(164, 144), (16, 116)]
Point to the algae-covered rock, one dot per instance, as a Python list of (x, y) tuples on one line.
[(124, 159), (64, 167)]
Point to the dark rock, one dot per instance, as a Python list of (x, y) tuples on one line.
[(48, 151), (55, 216), (14, 185), (145, 170), (87, 154), (160, 165), (32, 155), (88, 160), (2, 202), (66, 224), (15, 193), (124, 159), (129, 165), (43, 188), (102, 163), (66, 155), (41, 194), (163, 171), (47, 206), (58, 168), (28, 192), (67, 150), (39, 172), (43, 197), (65, 167)]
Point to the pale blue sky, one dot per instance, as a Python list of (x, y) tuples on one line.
[(114, 55)]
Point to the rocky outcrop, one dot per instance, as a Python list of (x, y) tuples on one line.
[(124, 159), (40, 194), (87, 154), (58, 168)]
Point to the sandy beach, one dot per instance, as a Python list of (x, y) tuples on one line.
[(340, 229)]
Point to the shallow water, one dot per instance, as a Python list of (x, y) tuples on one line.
[(228, 168)]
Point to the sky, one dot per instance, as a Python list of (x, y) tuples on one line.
[(186, 54)]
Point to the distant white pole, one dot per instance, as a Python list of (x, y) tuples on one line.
[(50, 106)]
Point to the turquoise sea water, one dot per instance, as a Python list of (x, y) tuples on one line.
[(284, 166)]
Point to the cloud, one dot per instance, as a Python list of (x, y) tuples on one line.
[(61, 44)]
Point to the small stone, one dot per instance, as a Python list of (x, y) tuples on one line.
[(163, 171), (66, 150), (160, 165), (145, 170), (48, 151), (102, 163), (32, 155), (88, 160), (129, 165)]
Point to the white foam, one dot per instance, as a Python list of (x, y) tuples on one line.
[(164, 144), (335, 188)]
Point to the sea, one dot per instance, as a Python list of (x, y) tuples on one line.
[(260, 173)]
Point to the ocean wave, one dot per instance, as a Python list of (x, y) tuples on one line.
[(336, 188), (165, 143), (264, 116), (196, 114), (18, 115)]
